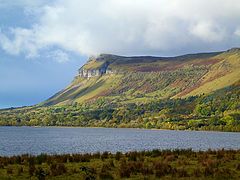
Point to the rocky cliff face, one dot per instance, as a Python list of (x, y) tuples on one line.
[(88, 73), (96, 66)]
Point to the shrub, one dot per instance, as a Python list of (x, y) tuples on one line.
[(90, 173), (31, 167), (106, 167), (132, 156), (170, 158), (238, 167), (61, 168), (156, 153), (197, 172), (162, 168), (41, 158), (111, 163), (223, 173), (96, 155), (40, 174), (124, 170), (181, 172), (20, 170), (208, 171), (118, 156), (1, 166), (9, 170), (85, 158), (105, 175), (57, 169), (104, 155), (146, 170), (220, 154), (74, 171), (211, 163), (159, 173), (18, 160)]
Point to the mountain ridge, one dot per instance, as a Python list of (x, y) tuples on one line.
[(193, 92), (143, 78)]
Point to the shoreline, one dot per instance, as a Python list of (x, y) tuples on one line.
[(173, 150), (152, 129)]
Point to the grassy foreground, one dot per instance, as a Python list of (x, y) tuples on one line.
[(155, 164)]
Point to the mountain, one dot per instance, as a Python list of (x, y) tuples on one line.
[(189, 92), (142, 79)]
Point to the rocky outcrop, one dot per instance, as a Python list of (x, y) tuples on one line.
[(98, 66), (88, 73)]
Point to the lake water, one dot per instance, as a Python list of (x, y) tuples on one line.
[(20, 140)]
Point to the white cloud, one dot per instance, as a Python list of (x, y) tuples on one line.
[(130, 27), (207, 32), (23, 41), (237, 32), (59, 56)]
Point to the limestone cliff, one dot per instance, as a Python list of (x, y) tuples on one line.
[(96, 66)]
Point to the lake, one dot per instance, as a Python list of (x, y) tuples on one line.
[(21, 140)]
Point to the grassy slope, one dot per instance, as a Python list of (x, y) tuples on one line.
[(224, 73), (143, 79)]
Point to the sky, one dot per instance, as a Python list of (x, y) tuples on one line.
[(43, 43)]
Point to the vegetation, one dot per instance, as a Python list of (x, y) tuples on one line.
[(217, 111), (155, 164), (190, 92), (147, 79)]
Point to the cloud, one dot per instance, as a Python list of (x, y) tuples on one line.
[(21, 3), (237, 32), (59, 56), (129, 27), (206, 31), (23, 41)]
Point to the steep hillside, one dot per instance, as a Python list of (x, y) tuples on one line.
[(190, 92), (143, 79)]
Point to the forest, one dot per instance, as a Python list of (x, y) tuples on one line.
[(217, 111)]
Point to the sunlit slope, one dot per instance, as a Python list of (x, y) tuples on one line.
[(224, 73), (85, 89), (142, 79)]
